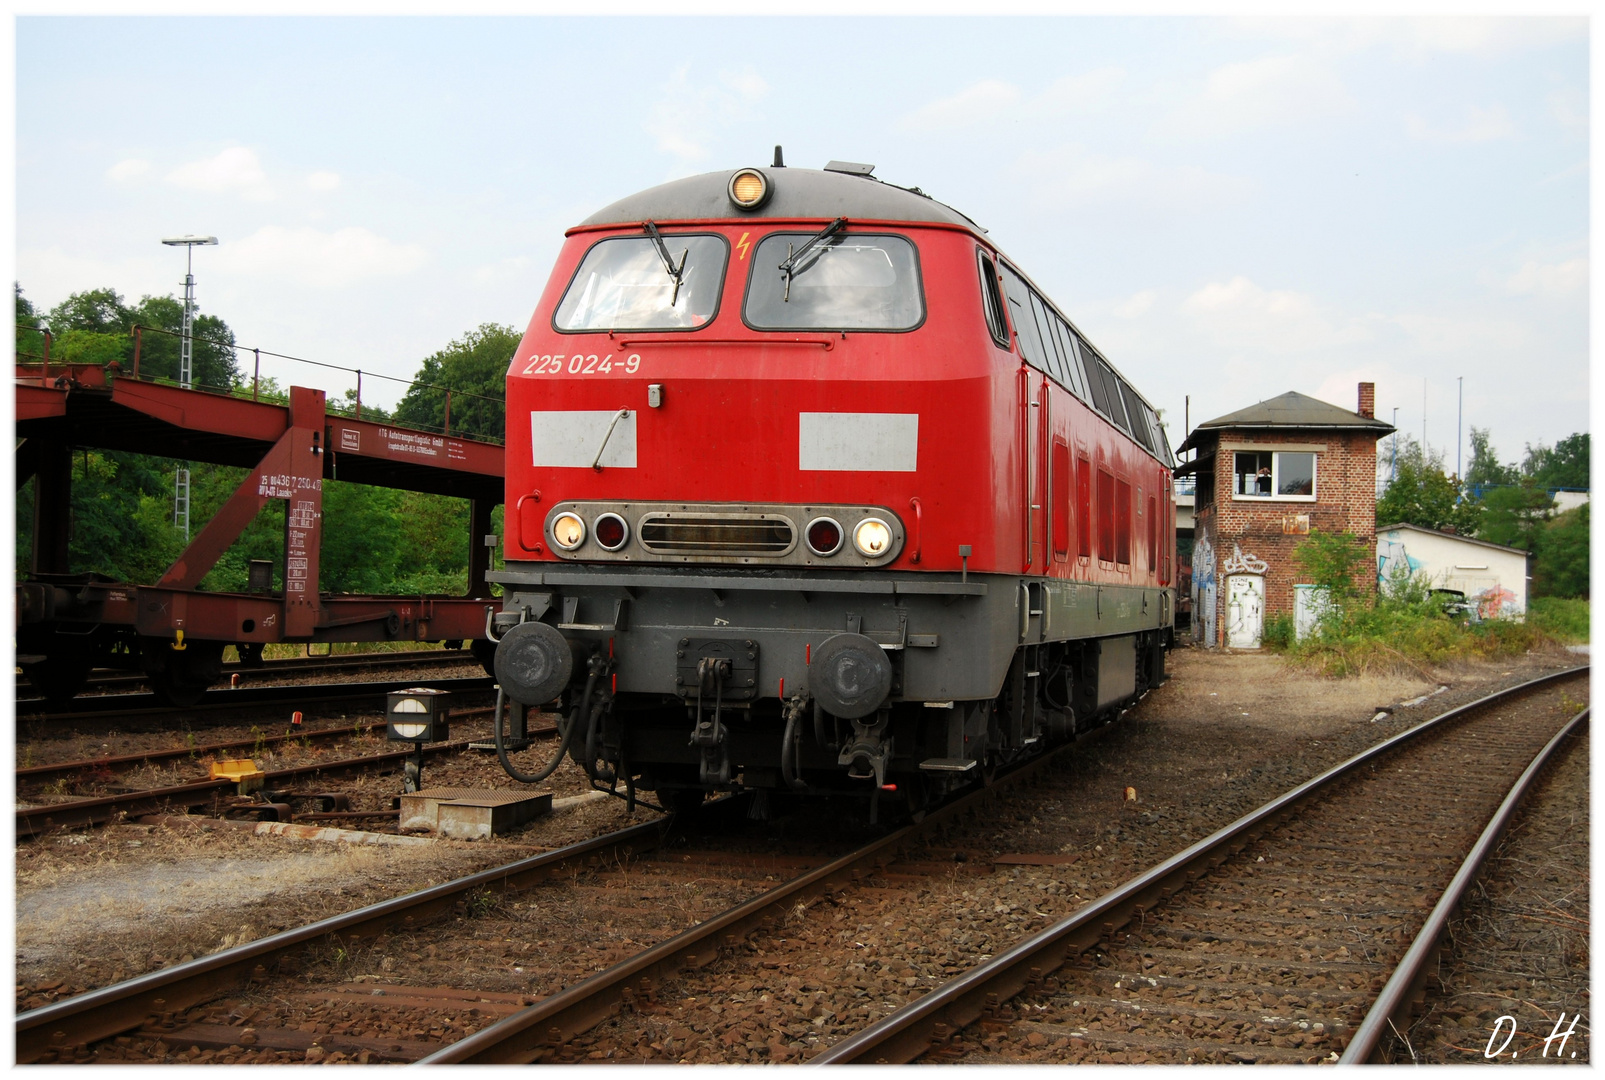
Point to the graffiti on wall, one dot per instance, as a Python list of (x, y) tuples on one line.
[(1496, 603), (1392, 558), (1243, 564), (1204, 590)]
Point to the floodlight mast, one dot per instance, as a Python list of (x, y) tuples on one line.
[(186, 355), (186, 351)]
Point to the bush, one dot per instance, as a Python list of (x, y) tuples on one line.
[(1278, 633), (1567, 621)]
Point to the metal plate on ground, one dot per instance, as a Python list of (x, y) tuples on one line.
[(472, 813)]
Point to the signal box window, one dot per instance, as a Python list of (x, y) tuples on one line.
[(1276, 474), (848, 281), (623, 284)]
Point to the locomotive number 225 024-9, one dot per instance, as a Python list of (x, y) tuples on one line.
[(581, 364)]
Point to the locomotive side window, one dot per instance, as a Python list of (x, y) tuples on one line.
[(991, 302), (1139, 422), (1050, 350), (849, 281), (1084, 507), (1075, 379), (1025, 323), (1106, 515), (623, 284), (1060, 499), (1111, 391)]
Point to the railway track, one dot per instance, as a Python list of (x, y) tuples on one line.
[(141, 706), (116, 681), (208, 794), (1268, 940), (154, 1005), (588, 1013)]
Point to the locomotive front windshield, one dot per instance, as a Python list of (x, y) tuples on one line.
[(624, 284), (843, 282)]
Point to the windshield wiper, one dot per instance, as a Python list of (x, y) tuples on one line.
[(675, 272), (789, 267)]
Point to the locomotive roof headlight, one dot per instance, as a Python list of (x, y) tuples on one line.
[(749, 188), (824, 536), (872, 538), (568, 531), (611, 531)]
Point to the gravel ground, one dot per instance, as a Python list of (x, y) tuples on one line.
[(1520, 945), (1225, 733)]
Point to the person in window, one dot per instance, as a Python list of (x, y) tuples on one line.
[(1262, 482)]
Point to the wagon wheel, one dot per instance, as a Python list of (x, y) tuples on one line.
[(61, 676)]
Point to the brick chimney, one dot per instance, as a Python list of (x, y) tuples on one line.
[(1368, 400)]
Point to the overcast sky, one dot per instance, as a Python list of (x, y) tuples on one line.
[(1229, 208)]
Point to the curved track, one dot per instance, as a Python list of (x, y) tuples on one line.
[(1273, 956)]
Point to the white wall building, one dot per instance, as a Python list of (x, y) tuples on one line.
[(1491, 576)]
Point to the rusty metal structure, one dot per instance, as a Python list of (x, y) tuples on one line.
[(69, 623)]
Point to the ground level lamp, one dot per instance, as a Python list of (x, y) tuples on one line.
[(417, 716)]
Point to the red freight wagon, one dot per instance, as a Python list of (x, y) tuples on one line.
[(810, 489)]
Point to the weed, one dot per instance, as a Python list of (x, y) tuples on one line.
[(261, 741), (1565, 619), (482, 902)]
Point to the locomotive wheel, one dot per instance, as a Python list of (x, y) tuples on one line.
[(484, 651), (61, 676), (682, 800)]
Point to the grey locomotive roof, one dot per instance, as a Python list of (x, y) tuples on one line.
[(1291, 410), (798, 193)]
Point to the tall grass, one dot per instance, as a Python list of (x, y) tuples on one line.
[(1407, 628)]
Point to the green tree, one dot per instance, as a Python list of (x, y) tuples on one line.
[(1514, 515), (1422, 495), (1561, 568), (474, 367), (1484, 470), (96, 327), (1565, 465), (30, 343), (1335, 562)]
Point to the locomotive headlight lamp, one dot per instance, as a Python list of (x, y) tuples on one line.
[(872, 538), (568, 531), (749, 189), (611, 531)]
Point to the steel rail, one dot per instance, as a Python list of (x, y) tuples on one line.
[(120, 762), (1392, 1009), (35, 821), (574, 1010), (101, 1014), (272, 669), (910, 1031), (222, 699)]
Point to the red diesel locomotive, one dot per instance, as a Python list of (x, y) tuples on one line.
[(809, 489)]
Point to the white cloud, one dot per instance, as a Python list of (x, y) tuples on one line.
[(128, 170), (323, 181), (977, 103), (1268, 91), (234, 170), (1240, 314), (324, 260), (1432, 34), (993, 100), (686, 117), (501, 270), (1135, 305), (1481, 125), (1075, 176), (1552, 279)]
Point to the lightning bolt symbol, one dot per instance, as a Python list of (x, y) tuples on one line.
[(742, 245)]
